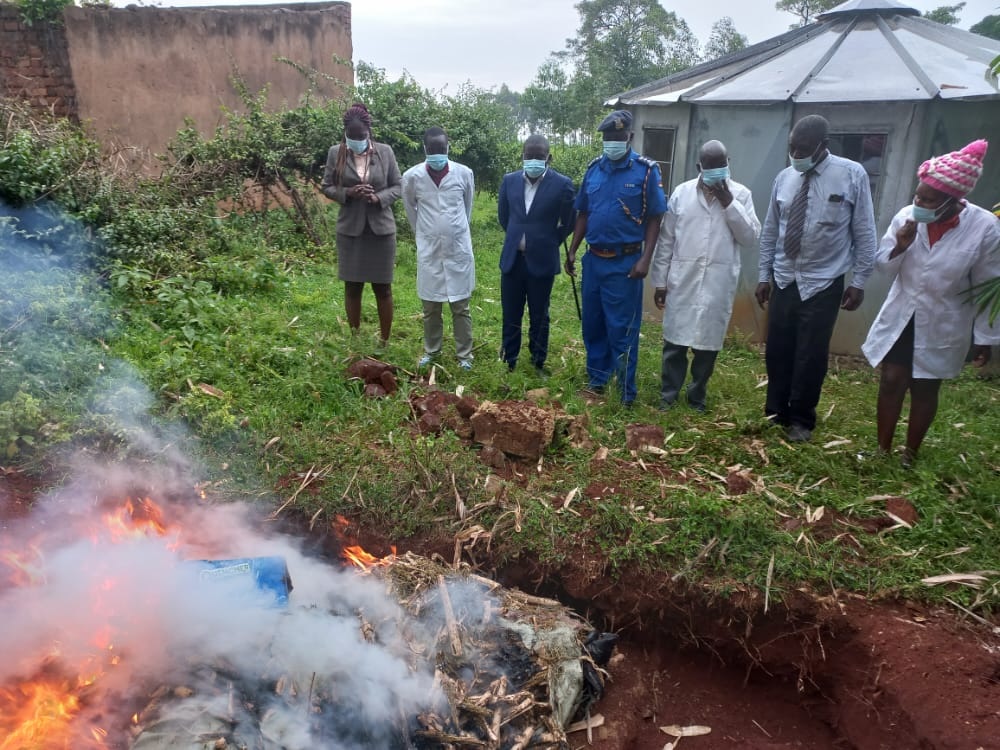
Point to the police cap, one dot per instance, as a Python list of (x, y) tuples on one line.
[(620, 119)]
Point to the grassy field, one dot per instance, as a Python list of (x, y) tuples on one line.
[(279, 412)]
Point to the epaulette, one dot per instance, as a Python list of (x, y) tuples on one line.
[(594, 161), (645, 160)]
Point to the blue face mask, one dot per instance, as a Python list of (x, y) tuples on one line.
[(534, 167), (715, 176), (358, 147), (804, 165), (615, 150), (923, 215), (437, 162)]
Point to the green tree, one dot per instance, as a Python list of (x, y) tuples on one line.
[(724, 39), (989, 26), (806, 10), (549, 102), (625, 43), (946, 14)]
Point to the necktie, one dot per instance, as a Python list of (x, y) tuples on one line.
[(797, 219)]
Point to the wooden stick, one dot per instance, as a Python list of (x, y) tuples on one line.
[(597, 720), (449, 616), (455, 739)]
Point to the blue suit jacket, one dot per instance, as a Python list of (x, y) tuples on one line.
[(549, 222)]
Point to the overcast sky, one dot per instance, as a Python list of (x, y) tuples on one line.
[(443, 43)]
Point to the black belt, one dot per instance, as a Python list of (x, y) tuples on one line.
[(614, 251)]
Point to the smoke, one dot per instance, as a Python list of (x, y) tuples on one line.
[(88, 598), (135, 614)]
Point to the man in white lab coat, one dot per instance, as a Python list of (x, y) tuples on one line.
[(696, 269), (437, 196), (935, 250)]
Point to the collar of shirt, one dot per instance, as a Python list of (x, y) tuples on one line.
[(937, 229), (437, 176), (623, 163), (527, 180)]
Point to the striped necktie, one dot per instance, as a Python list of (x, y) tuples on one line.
[(797, 219)]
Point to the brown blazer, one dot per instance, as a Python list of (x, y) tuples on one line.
[(383, 175)]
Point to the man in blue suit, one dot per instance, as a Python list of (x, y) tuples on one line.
[(535, 208)]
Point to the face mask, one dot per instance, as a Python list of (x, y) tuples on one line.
[(615, 150), (534, 167), (804, 165), (923, 215), (358, 147), (437, 162), (715, 176)]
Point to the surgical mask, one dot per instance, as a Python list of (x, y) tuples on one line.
[(615, 150), (534, 167), (358, 147), (437, 162), (715, 176), (804, 165), (923, 215)]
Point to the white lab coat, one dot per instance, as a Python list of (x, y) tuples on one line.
[(930, 285), (697, 259), (440, 216)]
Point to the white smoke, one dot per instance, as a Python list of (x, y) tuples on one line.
[(141, 604)]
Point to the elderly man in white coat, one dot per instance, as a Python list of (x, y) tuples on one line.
[(696, 269), (437, 196), (935, 250)]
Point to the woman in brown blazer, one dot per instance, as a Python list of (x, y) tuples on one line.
[(362, 176)]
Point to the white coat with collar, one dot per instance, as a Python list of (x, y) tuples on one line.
[(931, 285), (697, 260), (440, 216)]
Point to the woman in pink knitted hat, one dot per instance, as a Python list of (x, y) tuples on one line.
[(935, 250)]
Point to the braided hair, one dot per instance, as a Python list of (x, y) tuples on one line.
[(357, 112)]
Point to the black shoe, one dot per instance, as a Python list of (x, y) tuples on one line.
[(542, 371), (799, 434), (511, 366)]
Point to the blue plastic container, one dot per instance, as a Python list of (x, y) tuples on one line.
[(269, 574)]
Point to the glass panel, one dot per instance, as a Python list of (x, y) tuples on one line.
[(658, 145), (865, 148)]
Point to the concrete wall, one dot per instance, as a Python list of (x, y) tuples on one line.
[(134, 74), (34, 64), (139, 71)]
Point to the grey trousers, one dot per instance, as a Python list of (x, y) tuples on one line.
[(461, 323), (675, 365)]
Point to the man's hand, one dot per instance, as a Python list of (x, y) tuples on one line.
[(721, 191), (980, 354), (640, 269), (660, 297), (570, 264), (763, 293), (852, 299), (373, 197), (904, 238)]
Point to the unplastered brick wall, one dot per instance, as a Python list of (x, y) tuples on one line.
[(34, 64)]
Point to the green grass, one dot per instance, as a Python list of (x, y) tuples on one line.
[(277, 353)]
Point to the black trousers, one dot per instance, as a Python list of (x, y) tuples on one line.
[(798, 351), (517, 286)]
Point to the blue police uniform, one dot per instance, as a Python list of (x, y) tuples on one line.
[(618, 198)]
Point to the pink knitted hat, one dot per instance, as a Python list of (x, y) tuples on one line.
[(956, 173)]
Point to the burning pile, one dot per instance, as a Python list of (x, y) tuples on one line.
[(123, 630)]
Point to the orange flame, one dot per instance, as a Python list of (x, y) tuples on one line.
[(44, 711), (356, 555), (38, 714), (136, 519)]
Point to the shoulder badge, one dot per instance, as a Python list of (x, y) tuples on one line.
[(593, 161), (645, 160)]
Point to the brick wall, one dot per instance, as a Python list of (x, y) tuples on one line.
[(34, 64)]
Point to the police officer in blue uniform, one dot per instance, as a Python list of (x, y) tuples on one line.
[(620, 205)]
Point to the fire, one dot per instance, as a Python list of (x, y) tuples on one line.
[(43, 711), (357, 555), (135, 520), (38, 714)]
